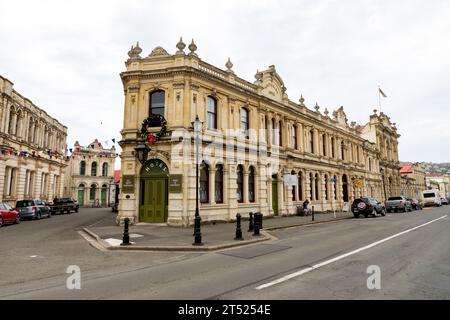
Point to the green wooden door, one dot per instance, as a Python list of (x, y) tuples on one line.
[(275, 196), (103, 197), (81, 198), (153, 200)]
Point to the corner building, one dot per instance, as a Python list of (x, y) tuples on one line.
[(260, 151)]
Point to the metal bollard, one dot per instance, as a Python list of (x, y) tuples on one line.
[(250, 222), (312, 213), (238, 228), (126, 236), (256, 230)]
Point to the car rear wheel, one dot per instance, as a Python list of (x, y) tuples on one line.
[(1, 222), (382, 212), (356, 215)]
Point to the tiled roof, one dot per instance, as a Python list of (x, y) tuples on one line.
[(406, 169)]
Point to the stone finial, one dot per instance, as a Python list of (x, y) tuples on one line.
[(302, 101), (375, 112), (317, 107), (135, 52), (352, 124), (180, 46), (192, 47), (229, 65), (326, 112), (258, 77)]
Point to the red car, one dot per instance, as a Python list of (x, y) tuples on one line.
[(8, 214)]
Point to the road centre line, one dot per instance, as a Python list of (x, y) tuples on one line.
[(317, 266)]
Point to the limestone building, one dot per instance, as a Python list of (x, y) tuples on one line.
[(260, 151), (32, 149), (413, 179), (90, 174)]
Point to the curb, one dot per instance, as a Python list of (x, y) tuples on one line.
[(306, 224), (205, 248)]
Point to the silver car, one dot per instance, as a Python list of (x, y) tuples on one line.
[(32, 209)]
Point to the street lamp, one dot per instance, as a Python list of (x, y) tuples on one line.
[(197, 125), (382, 181), (141, 151)]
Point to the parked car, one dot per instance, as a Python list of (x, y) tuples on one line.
[(62, 205), (431, 198), (399, 203), (415, 204), (367, 206), (445, 201), (34, 209), (8, 214)]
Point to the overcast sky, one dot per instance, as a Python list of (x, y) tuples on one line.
[(66, 57)]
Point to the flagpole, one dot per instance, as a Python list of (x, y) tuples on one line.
[(379, 98)]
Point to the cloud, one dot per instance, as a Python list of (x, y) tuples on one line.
[(66, 56)]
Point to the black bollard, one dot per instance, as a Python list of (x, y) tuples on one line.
[(256, 230), (238, 228), (126, 236), (250, 222), (312, 213)]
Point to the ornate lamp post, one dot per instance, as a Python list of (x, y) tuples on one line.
[(197, 124)]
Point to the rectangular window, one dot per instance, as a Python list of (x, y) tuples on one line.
[(294, 137)]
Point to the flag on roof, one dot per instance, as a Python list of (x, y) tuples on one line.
[(382, 93)]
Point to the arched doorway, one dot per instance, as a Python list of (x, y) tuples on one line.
[(81, 195), (103, 195), (345, 188), (153, 192), (275, 194)]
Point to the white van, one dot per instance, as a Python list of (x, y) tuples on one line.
[(431, 198)]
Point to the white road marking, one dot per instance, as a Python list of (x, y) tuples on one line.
[(345, 255)]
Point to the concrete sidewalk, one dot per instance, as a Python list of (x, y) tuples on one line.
[(108, 236)]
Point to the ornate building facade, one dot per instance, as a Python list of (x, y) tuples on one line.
[(90, 175), (32, 149), (413, 179), (260, 151)]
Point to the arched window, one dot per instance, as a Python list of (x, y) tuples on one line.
[(316, 185), (212, 113), (245, 125), (300, 186), (92, 192), (311, 141), (266, 124), (240, 184), (335, 188), (332, 147), (326, 186), (105, 169), (11, 119), (324, 145), (94, 169), (280, 134), (294, 137), (218, 181), (204, 183), (82, 168), (343, 150), (273, 131), (157, 101), (293, 188), (251, 185), (30, 128)]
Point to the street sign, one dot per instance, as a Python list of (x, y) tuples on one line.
[(290, 180)]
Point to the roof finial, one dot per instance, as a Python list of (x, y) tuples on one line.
[(180, 46), (135, 52), (301, 100), (229, 65), (317, 107), (192, 47)]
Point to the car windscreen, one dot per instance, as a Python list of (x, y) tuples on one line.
[(24, 203), (395, 198), (429, 195)]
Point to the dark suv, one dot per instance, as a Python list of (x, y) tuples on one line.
[(367, 206), (62, 205)]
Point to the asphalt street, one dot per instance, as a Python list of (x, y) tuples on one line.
[(322, 261)]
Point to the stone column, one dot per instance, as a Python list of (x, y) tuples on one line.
[(262, 189), (308, 189), (212, 185), (316, 141), (21, 183)]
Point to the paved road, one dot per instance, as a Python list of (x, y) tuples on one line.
[(414, 264)]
